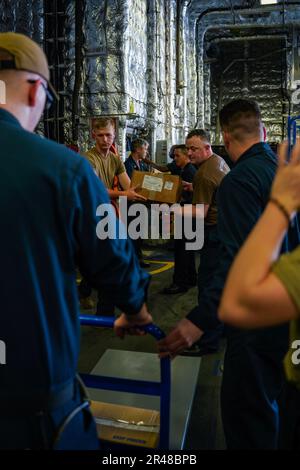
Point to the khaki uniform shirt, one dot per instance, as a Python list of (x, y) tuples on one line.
[(105, 168), (206, 182), (287, 269)]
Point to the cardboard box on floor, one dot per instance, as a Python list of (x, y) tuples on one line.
[(158, 187), (126, 424)]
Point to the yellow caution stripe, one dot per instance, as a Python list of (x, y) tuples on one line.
[(165, 266)]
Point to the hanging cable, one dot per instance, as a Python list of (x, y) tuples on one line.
[(284, 94), (232, 11), (79, 40)]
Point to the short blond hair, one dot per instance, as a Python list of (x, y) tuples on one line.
[(101, 123)]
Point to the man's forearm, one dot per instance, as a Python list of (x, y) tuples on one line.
[(114, 194)]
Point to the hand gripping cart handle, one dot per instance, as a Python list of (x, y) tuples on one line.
[(161, 389)]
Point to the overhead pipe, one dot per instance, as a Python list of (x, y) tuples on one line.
[(152, 65), (184, 77), (168, 102), (178, 54), (181, 73), (250, 38), (247, 10), (181, 8)]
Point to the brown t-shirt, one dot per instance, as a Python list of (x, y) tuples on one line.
[(105, 168), (206, 182)]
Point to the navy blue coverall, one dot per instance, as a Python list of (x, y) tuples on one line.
[(184, 260), (131, 164), (48, 201), (253, 375)]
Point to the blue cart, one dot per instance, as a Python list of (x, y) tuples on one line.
[(160, 389)]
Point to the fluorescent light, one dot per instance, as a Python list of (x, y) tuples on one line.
[(268, 2)]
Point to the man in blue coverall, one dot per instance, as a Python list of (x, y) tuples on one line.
[(135, 161), (48, 202), (253, 374)]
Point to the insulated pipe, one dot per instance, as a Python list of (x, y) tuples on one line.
[(178, 55), (181, 72), (247, 10), (252, 26), (250, 38), (151, 72), (184, 65), (168, 103)]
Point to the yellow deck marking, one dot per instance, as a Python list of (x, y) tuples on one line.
[(166, 265)]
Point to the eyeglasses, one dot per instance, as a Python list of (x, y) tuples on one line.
[(49, 96)]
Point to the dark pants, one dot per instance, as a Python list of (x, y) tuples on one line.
[(289, 437), (252, 383), (184, 267), (138, 247), (105, 305), (40, 430), (209, 258), (137, 243)]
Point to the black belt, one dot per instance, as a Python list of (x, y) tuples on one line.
[(20, 406)]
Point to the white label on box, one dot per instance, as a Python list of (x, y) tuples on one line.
[(169, 185), (125, 425), (152, 183)]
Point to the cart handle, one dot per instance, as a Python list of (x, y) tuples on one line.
[(161, 389), (108, 322)]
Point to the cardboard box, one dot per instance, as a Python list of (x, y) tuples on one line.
[(158, 187), (126, 424)]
